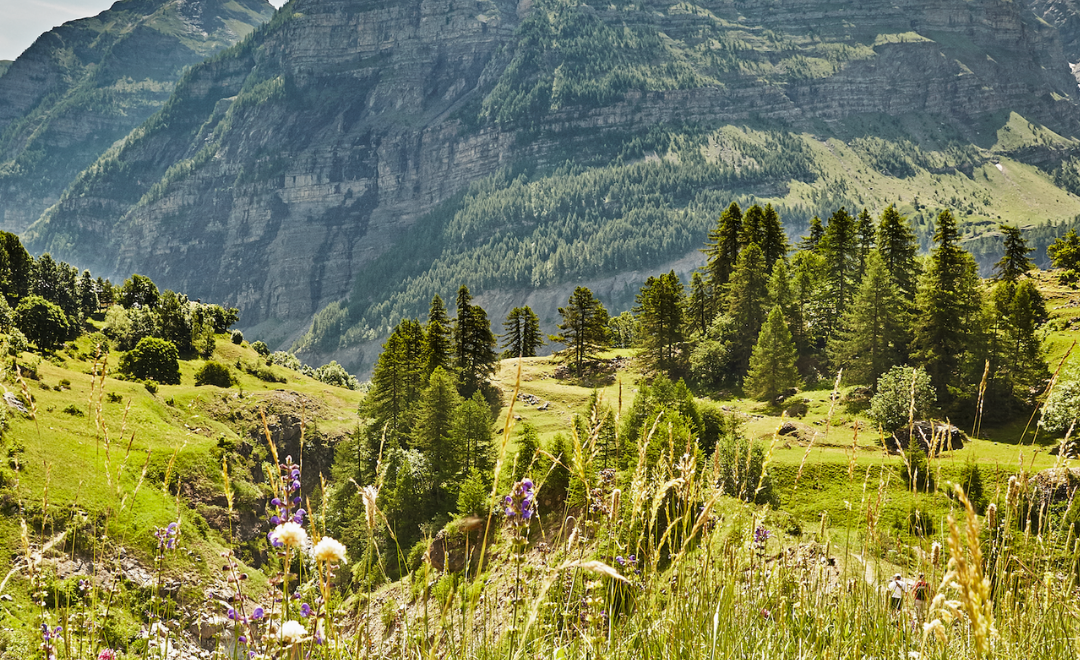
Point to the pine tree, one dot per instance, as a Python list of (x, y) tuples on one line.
[(774, 242), (815, 231), (87, 294), (471, 434), (772, 365), (432, 433), (697, 306), (16, 269), (521, 333), (659, 311), (753, 227), (474, 344), (1015, 261), (437, 338), (1065, 251), (873, 339), (583, 329), (838, 246), (808, 277), (782, 293), (722, 251), (748, 296), (949, 303), (864, 241), (898, 246)]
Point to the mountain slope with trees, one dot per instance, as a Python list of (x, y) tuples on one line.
[(334, 181), (86, 84)]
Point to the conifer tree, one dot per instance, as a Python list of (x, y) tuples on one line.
[(583, 329), (697, 306), (1015, 261), (660, 314), (1065, 251), (949, 306), (865, 236), (474, 344), (437, 337), (471, 434), (872, 339), (782, 293), (748, 296), (521, 333), (16, 269), (808, 277), (839, 247), (722, 251), (772, 365), (87, 293), (898, 246), (432, 433), (753, 227), (774, 242), (815, 232)]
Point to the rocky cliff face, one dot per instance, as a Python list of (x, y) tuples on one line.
[(279, 172), (88, 83)]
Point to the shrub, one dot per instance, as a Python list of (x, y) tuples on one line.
[(42, 322), (474, 496), (214, 373), (335, 374), (261, 348), (152, 358), (74, 411), (150, 386), (14, 343), (287, 360), (237, 337), (891, 405), (264, 373)]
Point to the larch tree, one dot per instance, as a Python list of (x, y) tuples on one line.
[(772, 364), (865, 238), (814, 233), (782, 293), (471, 434), (583, 330), (753, 227)]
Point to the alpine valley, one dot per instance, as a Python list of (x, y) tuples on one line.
[(350, 158)]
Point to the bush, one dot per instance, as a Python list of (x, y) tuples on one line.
[(891, 405), (237, 337), (335, 374), (261, 348), (14, 343), (152, 358), (740, 477), (214, 373), (264, 373), (287, 360), (474, 496), (42, 322)]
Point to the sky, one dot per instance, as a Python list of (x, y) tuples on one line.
[(23, 21)]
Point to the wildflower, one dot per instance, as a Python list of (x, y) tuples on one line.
[(305, 610), (258, 614), (292, 633), (520, 502), (290, 534), (620, 560), (275, 502), (329, 550), (107, 654)]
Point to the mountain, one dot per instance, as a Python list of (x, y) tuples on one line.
[(352, 158), (84, 85)]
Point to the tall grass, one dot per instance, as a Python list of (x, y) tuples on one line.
[(662, 564)]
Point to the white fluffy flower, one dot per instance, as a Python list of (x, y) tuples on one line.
[(292, 633), (329, 550), (291, 535)]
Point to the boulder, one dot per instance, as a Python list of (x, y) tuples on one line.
[(931, 437), (1056, 484), (447, 551)]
